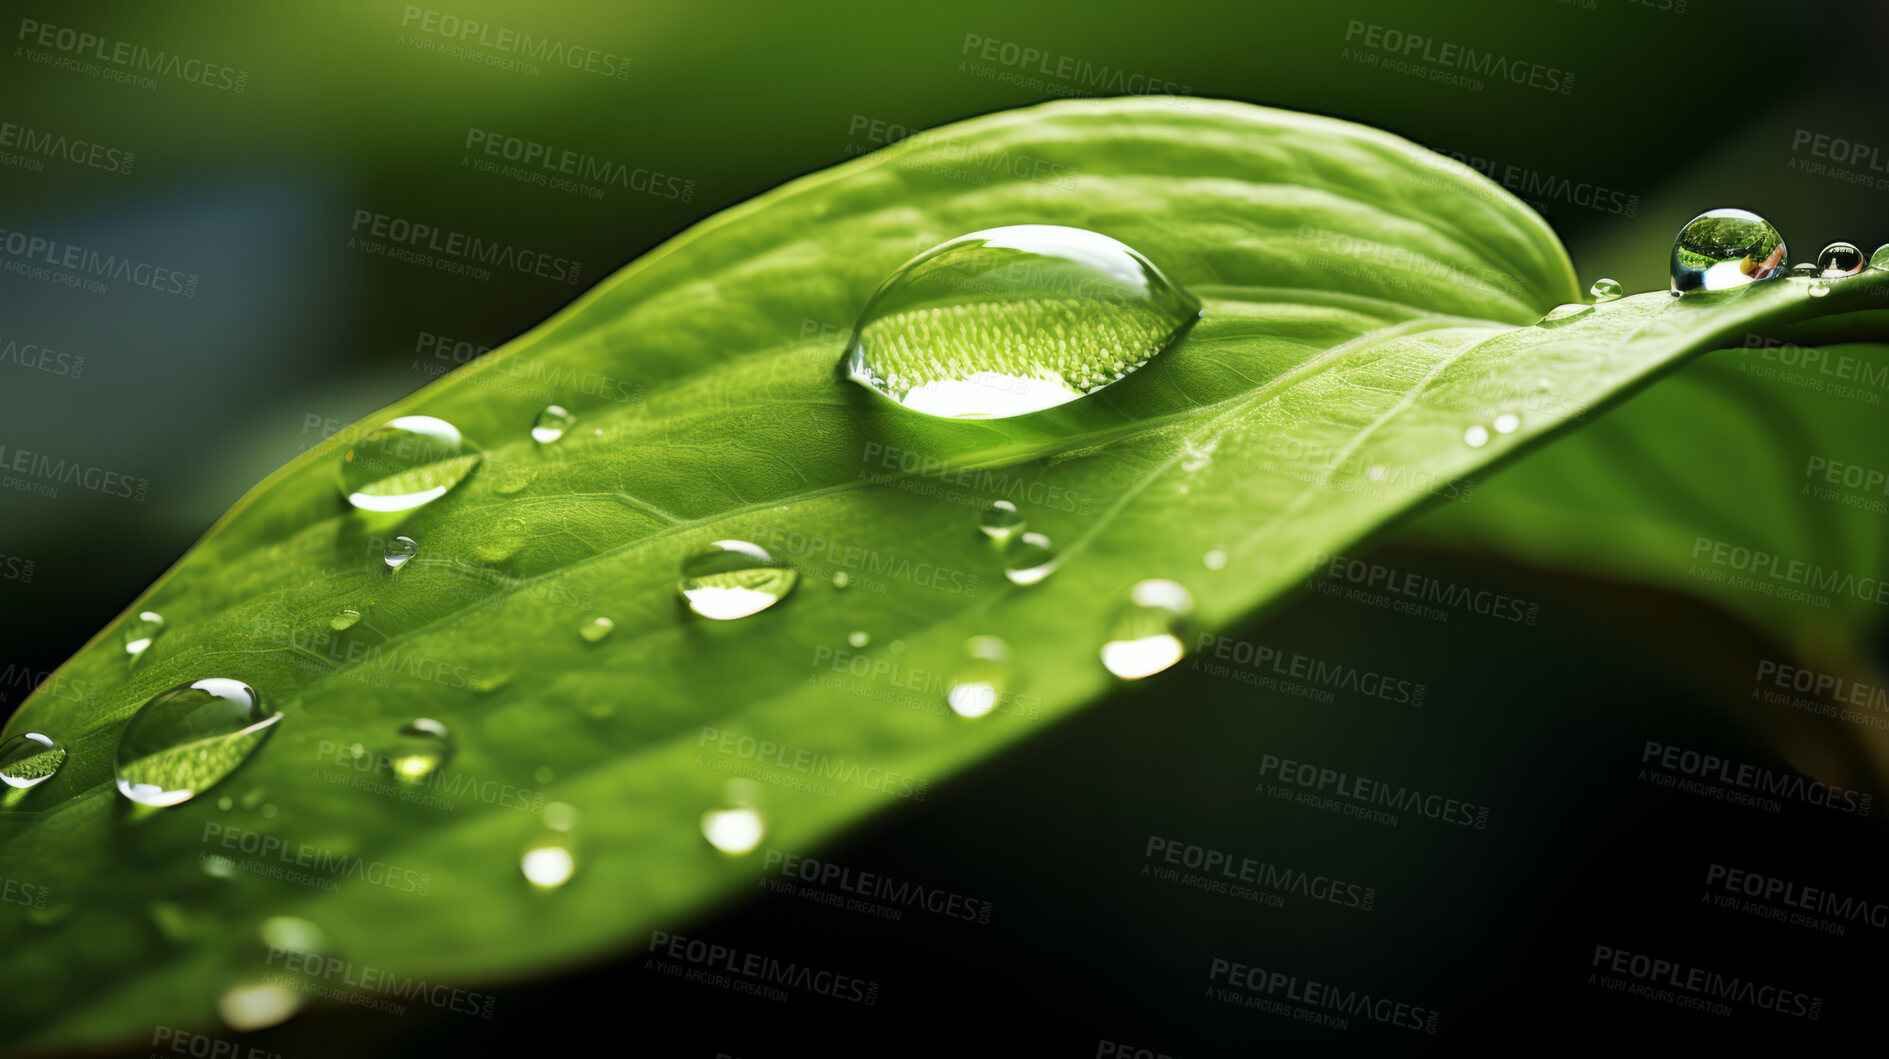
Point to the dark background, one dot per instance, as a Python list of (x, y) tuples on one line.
[(1677, 106)]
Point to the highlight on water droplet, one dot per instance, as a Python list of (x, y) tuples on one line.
[(841, 579), (1476, 437), (595, 628), (738, 827), (859, 638), (1145, 636), (399, 550), (261, 1000), (183, 741), (142, 631), (1725, 248), (548, 863), (1214, 560), (1819, 289), (30, 759), (1030, 559), (345, 618), (1506, 423), (424, 748), (1839, 260), (407, 462), (1008, 321), (1001, 521), (980, 682), (733, 579), (1605, 290), (551, 424)]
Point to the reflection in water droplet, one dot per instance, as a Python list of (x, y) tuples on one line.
[(1562, 314), (1605, 290), (399, 550), (1507, 422), (186, 739), (1008, 321), (979, 684), (1880, 259), (1840, 259), (551, 424), (142, 631), (859, 638), (425, 747), (410, 461), (1001, 521), (733, 579), (1145, 636), (596, 629), (1476, 437), (1214, 560), (1805, 269), (1726, 248), (1030, 559), (344, 619), (30, 759)]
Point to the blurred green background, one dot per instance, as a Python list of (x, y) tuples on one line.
[(1674, 107)]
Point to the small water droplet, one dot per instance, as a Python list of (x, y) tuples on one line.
[(511, 481), (1562, 314), (1819, 289), (1507, 422), (489, 681), (544, 774), (1001, 521), (596, 629), (1009, 321), (548, 863), (1145, 636), (551, 424), (30, 759), (1725, 248), (841, 579), (185, 740), (1804, 269), (1476, 437), (425, 747), (733, 579), (225, 803), (399, 550), (1839, 260), (502, 541), (859, 638), (1605, 290), (1214, 560), (407, 462), (344, 619), (979, 684), (559, 816), (1030, 559), (733, 831), (142, 631), (257, 1005)]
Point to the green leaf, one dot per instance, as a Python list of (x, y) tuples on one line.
[(1366, 305)]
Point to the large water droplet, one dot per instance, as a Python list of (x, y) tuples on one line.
[(1605, 290), (1001, 521), (1009, 321), (142, 631), (186, 739), (425, 747), (1030, 558), (733, 579), (1145, 636), (979, 683), (1726, 248), (1840, 259), (30, 759), (399, 550), (409, 461), (551, 424)]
